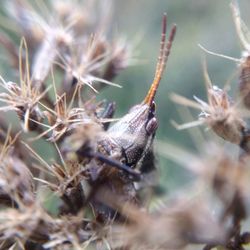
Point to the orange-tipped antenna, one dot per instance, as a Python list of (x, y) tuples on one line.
[(162, 59)]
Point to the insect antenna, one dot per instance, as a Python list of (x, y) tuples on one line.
[(162, 59)]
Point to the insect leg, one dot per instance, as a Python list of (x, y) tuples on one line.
[(88, 152)]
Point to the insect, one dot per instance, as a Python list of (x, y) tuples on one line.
[(129, 141), (133, 133)]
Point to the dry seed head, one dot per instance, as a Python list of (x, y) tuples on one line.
[(244, 62), (66, 43), (88, 62), (179, 220), (23, 98), (18, 96), (220, 113), (223, 117), (224, 122), (63, 119), (16, 180)]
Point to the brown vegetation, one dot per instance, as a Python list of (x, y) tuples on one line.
[(102, 176)]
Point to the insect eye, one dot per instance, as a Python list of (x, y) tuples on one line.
[(151, 126), (152, 109)]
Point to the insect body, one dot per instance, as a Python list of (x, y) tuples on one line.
[(130, 139)]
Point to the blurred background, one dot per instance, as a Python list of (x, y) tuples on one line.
[(208, 23)]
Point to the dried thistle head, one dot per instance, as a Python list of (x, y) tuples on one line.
[(219, 113), (63, 119), (23, 98), (65, 40), (222, 116), (244, 62), (95, 59), (171, 227), (16, 180)]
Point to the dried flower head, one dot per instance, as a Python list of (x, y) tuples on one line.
[(64, 39), (23, 98), (16, 180), (244, 62), (219, 113)]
